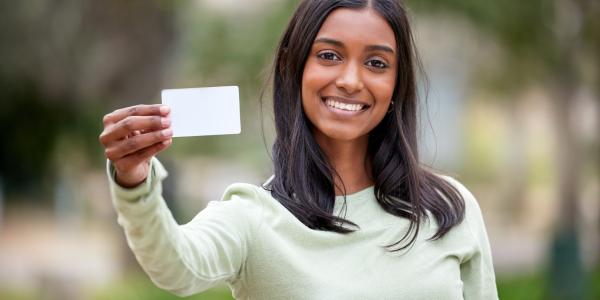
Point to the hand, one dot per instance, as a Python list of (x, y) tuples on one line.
[(131, 136)]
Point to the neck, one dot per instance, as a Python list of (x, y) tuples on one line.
[(348, 160)]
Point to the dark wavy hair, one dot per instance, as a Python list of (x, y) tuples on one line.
[(304, 178)]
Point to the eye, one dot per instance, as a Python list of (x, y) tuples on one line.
[(376, 63), (328, 56)]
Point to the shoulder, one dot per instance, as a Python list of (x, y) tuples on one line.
[(473, 215), (243, 192), (239, 210), (244, 200), (254, 199), (471, 204)]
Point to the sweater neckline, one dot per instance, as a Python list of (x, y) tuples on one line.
[(359, 196)]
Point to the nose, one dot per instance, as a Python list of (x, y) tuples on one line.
[(350, 80)]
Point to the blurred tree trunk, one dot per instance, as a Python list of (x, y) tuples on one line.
[(591, 29), (566, 272)]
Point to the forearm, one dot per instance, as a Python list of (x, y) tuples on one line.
[(160, 245)]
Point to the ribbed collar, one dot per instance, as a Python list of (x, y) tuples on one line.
[(356, 199)]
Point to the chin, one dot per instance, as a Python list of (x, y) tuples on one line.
[(343, 134)]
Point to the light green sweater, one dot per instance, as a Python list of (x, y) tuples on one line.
[(255, 245)]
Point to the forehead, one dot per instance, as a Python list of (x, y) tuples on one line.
[(358, 26)]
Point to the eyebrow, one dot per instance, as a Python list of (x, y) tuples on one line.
[(340, 44)]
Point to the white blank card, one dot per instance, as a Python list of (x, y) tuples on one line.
[(204, 111)]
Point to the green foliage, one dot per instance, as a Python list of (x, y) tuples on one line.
[(31, 125), (17, 295), (236, 47), (140, 287), (34, 124), (530, 33), (531, 287), (224, 48), (566, 278), (524, 26), (62, 66), (526, 286), (535, 286)]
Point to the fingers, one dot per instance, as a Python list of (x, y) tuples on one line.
[(138, 110), (137, 132), (133, 126), (121, 148), (132, 135), (130, 161)]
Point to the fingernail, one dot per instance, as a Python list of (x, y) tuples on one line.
[(167, 132), (165, 122), (167, 142), (164, 109)]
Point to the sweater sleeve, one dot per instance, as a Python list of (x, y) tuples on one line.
[(477, 270), (183, 259)]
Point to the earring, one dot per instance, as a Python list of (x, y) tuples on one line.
[(391, 107)]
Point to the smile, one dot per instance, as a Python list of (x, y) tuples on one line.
[(337, 104)]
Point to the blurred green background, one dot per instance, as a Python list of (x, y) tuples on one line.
[(510, 107)]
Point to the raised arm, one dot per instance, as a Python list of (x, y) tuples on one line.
[(183, 259)]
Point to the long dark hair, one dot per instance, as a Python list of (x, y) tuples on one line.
[(304, 178)]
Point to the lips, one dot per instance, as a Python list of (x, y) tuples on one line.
[(345, 104)]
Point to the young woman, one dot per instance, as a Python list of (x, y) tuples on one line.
[(350, 213)]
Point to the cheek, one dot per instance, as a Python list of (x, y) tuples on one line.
[(310, 89), (382, 90), (315, 78)]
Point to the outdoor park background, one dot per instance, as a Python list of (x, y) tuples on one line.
[(512, 111)]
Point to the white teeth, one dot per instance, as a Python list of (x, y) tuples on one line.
[(344, 106)]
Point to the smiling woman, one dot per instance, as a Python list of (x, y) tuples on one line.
[(347, 87), (350, 212)]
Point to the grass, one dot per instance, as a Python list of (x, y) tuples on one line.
[(138, 287), (529, 287), (535, 286)]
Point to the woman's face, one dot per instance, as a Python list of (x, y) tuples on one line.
[(349, 76)]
